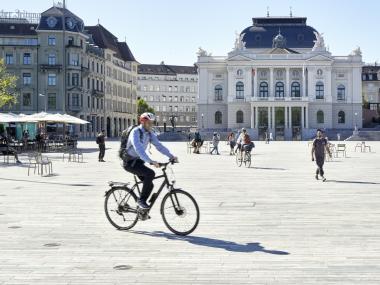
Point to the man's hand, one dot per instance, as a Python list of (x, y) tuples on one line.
[(155, 164), (174, 159), (312, 158)]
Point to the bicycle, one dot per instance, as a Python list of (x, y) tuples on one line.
[(243, 157), (177, 206)]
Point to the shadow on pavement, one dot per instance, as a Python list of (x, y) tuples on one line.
[(54, 183), (353, 182), (268, 168), (215, 243)]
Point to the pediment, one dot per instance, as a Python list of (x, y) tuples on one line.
[(239, 57), (320, 57)]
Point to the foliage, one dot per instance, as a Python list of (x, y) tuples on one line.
[(142, 107), (8, 95)]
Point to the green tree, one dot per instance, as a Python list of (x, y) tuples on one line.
[(8, 95), (142, 107)]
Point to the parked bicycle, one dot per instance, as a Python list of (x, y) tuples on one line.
[(179, 210)]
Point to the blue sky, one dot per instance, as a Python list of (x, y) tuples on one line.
[(172, 30)]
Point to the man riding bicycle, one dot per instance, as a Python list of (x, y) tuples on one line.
[(244, 142), (135, 156)]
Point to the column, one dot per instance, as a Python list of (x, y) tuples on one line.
[(307, 117), (290, 117), (252, 117), (304, 74), (273, 117), (286, 117), (255, 83), (270, 82), (287, 93), (256, 117), (269, 117), (302, 117)]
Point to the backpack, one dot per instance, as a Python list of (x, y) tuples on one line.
[(124, 140), (97, 140)]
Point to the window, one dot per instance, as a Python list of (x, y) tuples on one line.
[(74, 59), (71, 41), (239, 90), (320, 117), (51, 59), (341, 92), (27, 99), (9, 58), (218, 118), (75, 79), (218, 91), (51, 40), (263, 90), (319, 90), (52, 101), (279, 90), (296, 90), (341, 117), (239, 117), (27, 59), (27, 78), (239, 72), (75, 100), (52, 79)]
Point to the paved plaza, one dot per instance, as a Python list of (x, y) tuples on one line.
[(270, 224)]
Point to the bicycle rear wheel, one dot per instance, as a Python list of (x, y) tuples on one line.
[(120, 208), (180, 212)]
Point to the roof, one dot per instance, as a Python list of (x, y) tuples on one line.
[(105, 39), (18, 29), (60, 14), (282, 51), (371, 68), (163, 69), (265, 29)]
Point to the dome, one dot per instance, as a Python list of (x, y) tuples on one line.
[(264, 33)]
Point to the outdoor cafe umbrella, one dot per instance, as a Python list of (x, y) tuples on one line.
[(11, 118)]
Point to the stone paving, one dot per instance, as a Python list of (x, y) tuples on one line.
[(270, 224)]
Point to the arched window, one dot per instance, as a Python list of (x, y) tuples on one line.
[(239, 72), (296, 89), (263, 89), (341, 92), (341, 117), (320, 117), (239, 117), (218, 92), (279, 90), (239, 90), (218, 118), (319, 90)]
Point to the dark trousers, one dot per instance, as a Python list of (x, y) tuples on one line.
[(320, 160), (145, 174), (102, 151)]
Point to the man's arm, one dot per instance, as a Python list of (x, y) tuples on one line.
[(160, 147), (313, 151), (328, 148), (138, 146)]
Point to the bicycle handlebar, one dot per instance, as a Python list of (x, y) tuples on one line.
[(164, 164)]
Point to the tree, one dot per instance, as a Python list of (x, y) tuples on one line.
[(8, 95), (142, 107)]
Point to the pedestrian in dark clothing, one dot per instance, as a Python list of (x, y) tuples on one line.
[(320, 146), (100, 140)]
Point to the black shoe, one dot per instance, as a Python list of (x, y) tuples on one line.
[(323, 179), (102, 160), (18, 162), (142, 204)]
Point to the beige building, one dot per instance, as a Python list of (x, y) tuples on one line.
[(172, 91), (66, 67)]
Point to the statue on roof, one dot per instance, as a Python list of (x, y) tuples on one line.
[(239, 43), (202, 52), (356, 52), (319, 43)]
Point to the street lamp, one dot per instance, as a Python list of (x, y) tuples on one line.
[(43, 95), (203, 125), (356, 124)]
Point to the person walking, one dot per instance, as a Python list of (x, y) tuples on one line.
[(197, 142), (100, 140), (215, 143), (232, 142), (320, 146)]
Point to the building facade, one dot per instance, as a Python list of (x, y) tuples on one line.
[(62, 67), (371, 94), (172, 91), (279, 78)]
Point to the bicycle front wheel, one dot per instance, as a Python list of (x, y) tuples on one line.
[(180, 212), (120, 207), (239, 159), (248, 160)]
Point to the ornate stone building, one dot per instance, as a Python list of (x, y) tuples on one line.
[(279, 78), (66, 67)]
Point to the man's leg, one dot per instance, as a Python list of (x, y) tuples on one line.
[(100, 153), (320, 161), (145, 174)]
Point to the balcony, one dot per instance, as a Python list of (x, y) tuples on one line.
[(85, 69), (47, 67), (71, 44), (97, 93)]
